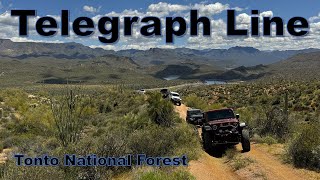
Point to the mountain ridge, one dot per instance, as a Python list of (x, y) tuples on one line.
[(220, 58)]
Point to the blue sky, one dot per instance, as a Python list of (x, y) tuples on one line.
[(216, 10), (283, 8)]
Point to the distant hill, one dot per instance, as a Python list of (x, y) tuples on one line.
[(48, 70), (299, 67), (24, 50), (220, 58), (240, 73), (223, 58), (302, 66), (29, 63)]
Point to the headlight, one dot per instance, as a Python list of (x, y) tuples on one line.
[(207, 128), (214, 127)]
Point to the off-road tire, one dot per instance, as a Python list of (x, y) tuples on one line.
[(245, 140), (207, 142), (178, 103)]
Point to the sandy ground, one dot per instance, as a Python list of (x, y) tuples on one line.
[(266, 165)]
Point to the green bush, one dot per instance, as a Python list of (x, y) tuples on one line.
[(194, 101), (161, 110), (157, 174), (10, 171), (276, 124), (161, 141), (240, 162), (266, 139), (304, 150)]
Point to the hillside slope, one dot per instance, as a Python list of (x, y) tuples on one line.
[(301, 66)]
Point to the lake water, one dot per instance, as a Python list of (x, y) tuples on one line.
[(211, 82), (207, 82), (171, 77)]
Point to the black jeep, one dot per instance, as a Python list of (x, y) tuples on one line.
[(194, 116)]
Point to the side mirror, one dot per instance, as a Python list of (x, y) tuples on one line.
[(237, 116)]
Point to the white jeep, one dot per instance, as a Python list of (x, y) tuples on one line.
[(175, 98)]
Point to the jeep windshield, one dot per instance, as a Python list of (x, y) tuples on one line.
[(220, 114), (175, 94), (194, 112)]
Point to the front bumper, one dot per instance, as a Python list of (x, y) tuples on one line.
[(226, 138), (195, 121), (176, 100)]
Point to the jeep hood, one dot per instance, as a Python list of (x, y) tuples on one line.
[(196, 116), (176, 98), (219, 121)]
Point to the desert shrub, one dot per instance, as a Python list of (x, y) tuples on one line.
[(266, 139), (68, 112), (112, 144), (237, 161), (10, 171), (194, 101), (304, 149), (247, 115), (161, 110), (16, 99), (161, 141), (276, 124), (152, 141), (36, 121), (240, 162), (230, 153), (158, 174), (186, 141)]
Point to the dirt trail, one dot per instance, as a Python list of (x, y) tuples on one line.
[(182, 110), (210, 168), (274, 169)]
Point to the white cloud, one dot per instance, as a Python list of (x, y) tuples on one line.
[(243, 18), (266, 14), (22, 39), (314, 18), (91, 9), (211, 9), (162, 6)]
